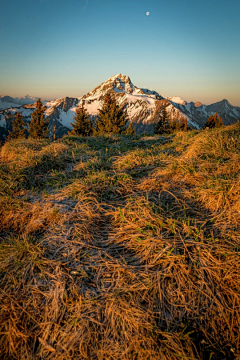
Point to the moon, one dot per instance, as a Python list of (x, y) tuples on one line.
[(147, 13)]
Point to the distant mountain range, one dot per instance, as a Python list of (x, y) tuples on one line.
[(7, 102), (142, 105)]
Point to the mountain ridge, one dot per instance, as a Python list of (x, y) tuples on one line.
[(7, 101), (142, 105)]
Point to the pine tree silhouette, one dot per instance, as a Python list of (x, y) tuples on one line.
[(82, 125), (112, 119), (38, 128), (162, 126), (214, 121), (18, 128)]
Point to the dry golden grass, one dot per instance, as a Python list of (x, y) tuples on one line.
[(121, 248)]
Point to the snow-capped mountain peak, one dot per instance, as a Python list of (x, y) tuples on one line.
[(117, 83), (140, 103)]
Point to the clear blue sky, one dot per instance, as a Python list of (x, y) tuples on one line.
[(57, 48)]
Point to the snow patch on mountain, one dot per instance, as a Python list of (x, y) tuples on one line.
[(177, 100), (66, 118)]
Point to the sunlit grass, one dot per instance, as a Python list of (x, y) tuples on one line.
[(121, 247)]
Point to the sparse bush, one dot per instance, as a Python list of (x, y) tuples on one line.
[(178, 125), (214, 121)]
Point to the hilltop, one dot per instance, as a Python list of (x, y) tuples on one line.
[(121, 247)]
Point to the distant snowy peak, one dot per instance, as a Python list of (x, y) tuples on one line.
[(28, 99), (199, 113), (7, 102), (177, 100), (6, 98)]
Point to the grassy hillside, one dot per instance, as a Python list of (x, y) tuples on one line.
[(121, 247)]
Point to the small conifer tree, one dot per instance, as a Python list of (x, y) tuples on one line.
[(18, 128), (82, 125), (38, 127), (112, 119), (162, 126), (214, 121)]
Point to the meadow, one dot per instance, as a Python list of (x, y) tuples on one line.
[(121, 247)]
